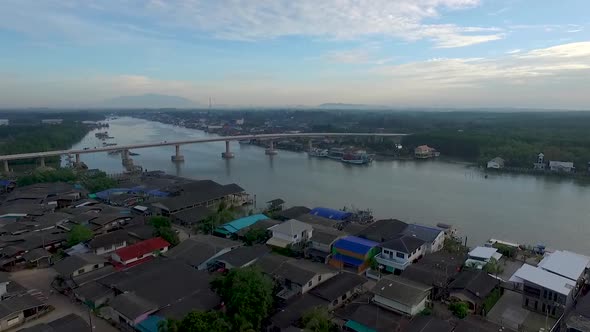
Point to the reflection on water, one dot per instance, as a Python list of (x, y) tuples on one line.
[(518, 208)]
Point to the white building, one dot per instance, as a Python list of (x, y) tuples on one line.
[(290, 233), (397, 254), (496, 163), (480, 256), (4, 122), (562, 166)]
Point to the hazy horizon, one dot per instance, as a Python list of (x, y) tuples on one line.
[(458, 54)]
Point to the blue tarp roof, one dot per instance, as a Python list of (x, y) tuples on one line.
[(5, 183), (330, 213), (348, 260), (149, 324), (105, 194), (238, 224), (358, 327), (355, 244)]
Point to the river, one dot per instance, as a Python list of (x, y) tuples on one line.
[(518, 208)]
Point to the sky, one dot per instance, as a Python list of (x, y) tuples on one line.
[(399, 53)]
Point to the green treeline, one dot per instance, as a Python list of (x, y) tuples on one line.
[(34, 138)]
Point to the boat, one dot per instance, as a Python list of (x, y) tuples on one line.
[(244, 141), (108, 144), (133, 153), (336, 153), (315, 152), (357, 158)]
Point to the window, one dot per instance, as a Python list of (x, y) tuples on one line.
[(386, 252), (544, 293), (295, 236), (554, 296), (526, 302), (536, 305), (96, 266), (309, 283), (343, 297), (319, 278), (544, 308), (400, 255), (80, 271), (553, 311)]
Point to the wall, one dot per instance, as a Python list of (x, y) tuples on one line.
[(106, 250), (437, 244), (12, 321), (543, 298), (321, 246), (318, 279), (87, 268), (203, 266)]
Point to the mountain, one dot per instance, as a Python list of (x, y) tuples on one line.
[(341, 106), (150, 100)]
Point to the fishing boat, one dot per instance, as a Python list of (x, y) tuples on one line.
[(315, 152), (336, 153), (357, 158), (133, 153)]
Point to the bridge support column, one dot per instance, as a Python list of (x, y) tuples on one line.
[(77, 158), (6, 168), (42, 162), (271, 149), (125, 159), (309, 145), (227, 154), (177, 157)]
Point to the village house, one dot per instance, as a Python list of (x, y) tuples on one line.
[(424, 152), (339, 289), (397, 254), (129, 309), (290, 233), (67, 323), (232, 228), (139, 252), (75, 265), (472, 287), (481, 256), (200, 251), (561, 166), (319, 247), (383, 230), (240, 257), (400, 295), (433, 237), (109, 242), (19, 309), (354, 253)]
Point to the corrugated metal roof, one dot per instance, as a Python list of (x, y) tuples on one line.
[(543, 278), (358, 327), (330, 213), (565, 263), (236, 225), (355, 244)]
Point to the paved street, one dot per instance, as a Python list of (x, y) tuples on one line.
[(40, 279)]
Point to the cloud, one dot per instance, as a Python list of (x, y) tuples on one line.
[(365, 54), (251, 20), (518, 50)]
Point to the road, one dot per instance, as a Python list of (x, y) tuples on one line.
[(40, 279)]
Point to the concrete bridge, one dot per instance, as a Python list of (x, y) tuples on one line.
[(177, 157)]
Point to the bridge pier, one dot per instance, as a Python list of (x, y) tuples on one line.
[(42, 162), (271, 149), (77, 159), (6, 168), (177, 157), (125, 159), (227, 154), (309, 145)]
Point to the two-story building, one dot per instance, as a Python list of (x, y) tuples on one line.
[(433, 237), (401, 295), (353, 252), (397, 254), (290, 233), (480, 256)]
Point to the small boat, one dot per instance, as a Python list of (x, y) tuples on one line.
[(357, 158), (133, 153), (315, 152)]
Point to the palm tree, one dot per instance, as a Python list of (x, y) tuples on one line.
[(222, 214)]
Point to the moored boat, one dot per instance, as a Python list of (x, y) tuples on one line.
[(315, 152), (357, 158)]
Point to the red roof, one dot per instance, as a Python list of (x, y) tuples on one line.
[(141, 248)]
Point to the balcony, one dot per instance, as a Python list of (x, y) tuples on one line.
[(392, 261)]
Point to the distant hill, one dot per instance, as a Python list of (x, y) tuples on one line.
[(341, 106), (149, 100)]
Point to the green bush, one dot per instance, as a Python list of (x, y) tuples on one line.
[(459, 309), (491, 300)]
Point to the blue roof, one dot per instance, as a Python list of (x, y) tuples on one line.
[(238, 224), (149, 324), (348, 260), (358, 327), (330, 213), (355, 244)]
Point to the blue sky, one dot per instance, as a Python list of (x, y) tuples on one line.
[(442, 53)]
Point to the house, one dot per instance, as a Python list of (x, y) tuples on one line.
[(397, 254), (292, 213), (436, 270), (180, 288), (109, 242), (191, 217), (139, 252), (241, 256), (262, 225), (295, 276), (496, 163), (293, 312), (20, 309), (566, 264), (353, 252), (433, 237), (94, 294), (472, 287), (364, 316), (275, 204), (200, 251), (290, 233), (424, 152), (480, 256), (75, 265), (233, 227), (320, 245), (67, 323), (332, 214), (562, 166), (429, 323), (339, 288), (38, 257), (383, 230), (544, 291), (400, 295), (130, 309)]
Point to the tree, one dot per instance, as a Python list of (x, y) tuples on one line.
[(318, 320), (459, 309), (493, 267), (197, 321), (255, 235), (167, 234), (163, 229), (79, 233), (223, 214), (248, 297)]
